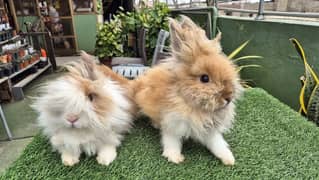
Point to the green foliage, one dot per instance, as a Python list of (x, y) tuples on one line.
[(309, 93), (152, 18), (109, 39), (99, 5), (237, 60)]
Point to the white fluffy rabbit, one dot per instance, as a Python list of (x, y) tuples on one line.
[(84, 111)]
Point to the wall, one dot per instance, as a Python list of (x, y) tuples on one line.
[(22, 19), (85, 29), (281, 66)]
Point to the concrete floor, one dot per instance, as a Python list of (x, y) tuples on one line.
[(62, 60), (22, 119)]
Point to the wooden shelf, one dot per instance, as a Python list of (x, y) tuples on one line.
[(64, 36), (65, 52), (27, 15), (61, 17), (85, 13)]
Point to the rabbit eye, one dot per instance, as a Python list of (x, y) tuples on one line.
[(91, 96), (204, 78)]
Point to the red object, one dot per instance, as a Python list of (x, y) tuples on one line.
[(43, 53), (21, 53), (9, 57)]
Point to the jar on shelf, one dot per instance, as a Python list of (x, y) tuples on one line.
[(21, 53), (21, 64), (9, 57), (4, 59)]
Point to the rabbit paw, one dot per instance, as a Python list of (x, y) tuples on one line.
[(69, 160), (106, 157), (228, 159), (174, 157)]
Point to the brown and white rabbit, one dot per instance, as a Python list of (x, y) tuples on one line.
[(192, 94), (84, 111)]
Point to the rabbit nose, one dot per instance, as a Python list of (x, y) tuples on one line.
[(72, 118), (228, 100)]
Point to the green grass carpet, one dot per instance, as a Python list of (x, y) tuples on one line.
[(269, 141)]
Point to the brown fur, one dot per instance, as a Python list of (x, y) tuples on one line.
[(89, 69), (176, 86), (101, 103)]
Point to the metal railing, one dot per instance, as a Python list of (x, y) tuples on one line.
[(261, 13)]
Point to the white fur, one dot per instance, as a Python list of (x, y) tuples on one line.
[(176, 126), (91, 134)]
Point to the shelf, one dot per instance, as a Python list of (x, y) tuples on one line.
[(65, 52), (17, 90), (17, 73), (29, 78), (6, 31), (61, 17), (85, 13), (64, 36), (4, 79), (15, 50), (24, 69), (8, 40)]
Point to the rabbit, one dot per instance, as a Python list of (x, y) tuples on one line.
[(192, 94), (84, 111)]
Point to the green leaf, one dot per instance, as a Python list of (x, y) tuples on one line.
[(247, 57), (236, 51), (311, 79), (313, 105), (301, 53), (239, 68)]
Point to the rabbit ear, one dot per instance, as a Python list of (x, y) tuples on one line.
[(186, 22), (89, 65), (182, 41), (175, 34), (216, 41)]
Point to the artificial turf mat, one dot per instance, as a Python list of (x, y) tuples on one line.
[(269, 141)]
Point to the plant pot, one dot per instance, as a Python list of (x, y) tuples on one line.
[(107, 61), (33, 59), (9, 57), (25, 64), (131, 40), (21, 65), (21, 53)]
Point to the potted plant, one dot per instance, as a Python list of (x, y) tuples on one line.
[(153, 19), (109, 41), (129, 27)]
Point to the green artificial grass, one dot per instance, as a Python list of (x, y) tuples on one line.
[(269, 141)]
